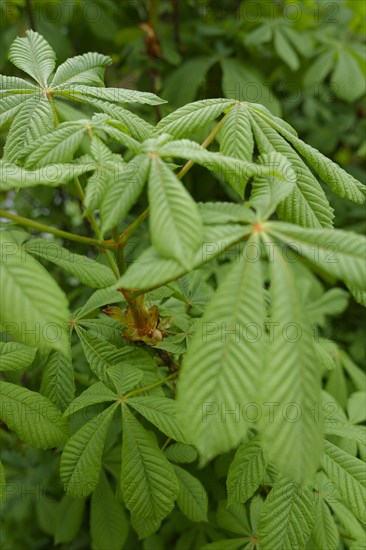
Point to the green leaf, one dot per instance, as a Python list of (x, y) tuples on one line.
[(345, 517), (214, 213), (9, 107), (161, 412), (2, 482), (287, 517), (339, 253), (182, 85), (332, 302), (246, 472), (82, 69), (124, 191), (233, 517), (125, 377), (28, 312), (181, 453), (319, 70), (347, 431), (58, 380), (284, 50), (268, 191), (242, 82), (13, 176), (16, 86), (350, 474), (69, 518), (192, 117), (220, 370), (236, 138), (227, 544), (342, 183), (325, 532), (112, 95), (58, 146), (101, 355), (236, 171), (32, 417), (357, 375), (348, 79), (148, 481), (106, 167), (356, 407), (151, 270), (33, 55), (101, 297), (137, 127), (108, 522), (359, 295), (82, 456), (14, 356), (97, 393), (290, 381), (88, 271), (307, 205), (175, 223), (192, 499), (34, 119)]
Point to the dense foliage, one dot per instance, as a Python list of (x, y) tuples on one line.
[(171, 376)]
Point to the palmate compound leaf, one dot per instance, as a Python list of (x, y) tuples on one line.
[(33, 55), (350, 475), (291, 432), (82, 456), (220, 371), (34, 418), (34, 308), (246, 472), (287, 517), (108, 523), (175, 222), (15, 356), (148, 481), (79, 79), (339, 253), (88, 271)]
